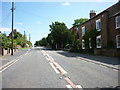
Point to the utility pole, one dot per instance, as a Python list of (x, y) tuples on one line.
[(24, 35), (24, 38), (12, 27), (29, 37)]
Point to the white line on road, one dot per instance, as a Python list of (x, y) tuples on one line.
[(59, 70), (4, 67), (68, 86), (78, 86), (54, 68)]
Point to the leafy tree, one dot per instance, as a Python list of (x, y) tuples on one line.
[(37, 43), (77, 22), (5, 41), (58, 32), (50, 40), (43, 42)]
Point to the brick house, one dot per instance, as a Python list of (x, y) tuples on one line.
[(108, 23)]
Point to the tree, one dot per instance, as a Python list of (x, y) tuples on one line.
[(58, 35), (77, 22), (5, 41), (50, 40), (37, 43)]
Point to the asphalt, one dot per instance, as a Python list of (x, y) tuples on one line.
[(87, 73), (34, 71), (7, 58), (31, 71)]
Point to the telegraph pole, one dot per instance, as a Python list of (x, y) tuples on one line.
[(12, 27), (24, 38), (29, 37)]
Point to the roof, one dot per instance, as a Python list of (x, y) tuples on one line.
[(106, 10)]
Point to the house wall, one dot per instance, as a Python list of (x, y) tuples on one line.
[(108, 29), (91, 25), (113, 12)]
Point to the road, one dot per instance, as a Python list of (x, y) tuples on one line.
[(43, 68)]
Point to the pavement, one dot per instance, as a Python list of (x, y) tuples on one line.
[(43, 68), (7, 58)]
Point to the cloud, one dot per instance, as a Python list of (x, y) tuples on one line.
[(4, 29), (19, 23), (65, 4)]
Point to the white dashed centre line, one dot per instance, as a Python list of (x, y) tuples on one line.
[(54, 68), (59, 70)]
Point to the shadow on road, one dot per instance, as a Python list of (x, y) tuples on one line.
[(103, 59)]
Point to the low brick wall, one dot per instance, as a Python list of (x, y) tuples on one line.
[(107, 52), (6, 51), (0, 51)]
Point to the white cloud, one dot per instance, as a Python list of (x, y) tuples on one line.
[(4, 29), (19, 23), (65, 4)]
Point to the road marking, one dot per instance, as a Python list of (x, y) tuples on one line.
[(79, 86), (51, 58), (68, 86), (57, 66), (59, 70), (7, 66), (4, 67), (70, 82), (54, 68)]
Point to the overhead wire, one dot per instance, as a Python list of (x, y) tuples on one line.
[(4, 19), (33, 14)]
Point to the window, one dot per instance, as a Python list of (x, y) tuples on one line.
[(117, 22), (98, 41), (83, 31), (90, 43), (83, 44), (118, 41), (98, 25)]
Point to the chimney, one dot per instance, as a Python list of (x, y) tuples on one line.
[(92, 13)]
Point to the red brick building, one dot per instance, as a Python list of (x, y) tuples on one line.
[(108, 23)]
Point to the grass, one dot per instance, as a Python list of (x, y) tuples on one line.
[(23, 48)]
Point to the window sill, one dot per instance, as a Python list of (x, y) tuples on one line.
[(117, 27), (99, 47), (98, 29)]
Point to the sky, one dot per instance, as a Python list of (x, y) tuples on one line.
[(35, 17)]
